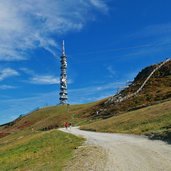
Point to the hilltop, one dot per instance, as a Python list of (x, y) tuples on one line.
[(49, 118)]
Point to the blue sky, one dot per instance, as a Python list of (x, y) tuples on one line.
[(107, 43)]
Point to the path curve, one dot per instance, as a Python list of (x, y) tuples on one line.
[(128, 152)]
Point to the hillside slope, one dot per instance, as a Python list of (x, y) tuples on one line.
[(156, 90), (49, 118), (154, 121), (37, 150)]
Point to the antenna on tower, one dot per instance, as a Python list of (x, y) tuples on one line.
[(63, 48)]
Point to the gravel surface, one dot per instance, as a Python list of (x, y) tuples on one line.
[(87, 158), (120, 152)]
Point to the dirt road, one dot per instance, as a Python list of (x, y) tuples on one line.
[(122, 153)]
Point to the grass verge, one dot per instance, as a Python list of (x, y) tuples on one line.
[(152, 121), (40, 151)]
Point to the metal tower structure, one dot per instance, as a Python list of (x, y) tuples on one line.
[(63, 95)]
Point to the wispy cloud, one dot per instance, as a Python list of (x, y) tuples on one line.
[(30, 24), (44, 79), (27, 71), (8, 72), (156, 36), (99, 4), (6, 87), (111, 71), (153, 31), (94, 92), (156, 41)]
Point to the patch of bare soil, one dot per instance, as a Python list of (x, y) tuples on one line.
[(87, 158)]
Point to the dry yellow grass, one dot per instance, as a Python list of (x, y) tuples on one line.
[(51, 117), (153, 119)]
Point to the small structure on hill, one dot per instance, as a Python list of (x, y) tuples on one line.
[(63, 95)]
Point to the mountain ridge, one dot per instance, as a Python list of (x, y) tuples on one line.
[(156, 90)]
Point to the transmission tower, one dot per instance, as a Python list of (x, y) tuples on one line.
[(63, 95)]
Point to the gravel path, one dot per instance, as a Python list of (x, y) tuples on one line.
[(125, 152)]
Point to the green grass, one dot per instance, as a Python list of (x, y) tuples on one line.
[(52, 117), (37, 151), (153, 119), (27, 147)]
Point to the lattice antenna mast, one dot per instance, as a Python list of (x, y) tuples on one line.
[(63, 95)]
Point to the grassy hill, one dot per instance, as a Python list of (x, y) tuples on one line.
[(27, 147), (50, 117), (30, 143), (154, 121), (157, 89)]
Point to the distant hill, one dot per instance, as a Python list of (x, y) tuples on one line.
[(156, 90), (164, 71)]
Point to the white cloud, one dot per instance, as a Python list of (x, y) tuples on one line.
[(44, 79), (29, 24), (27, 71), (41, 79), (8, 72), (6, 87), (99, 4)]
